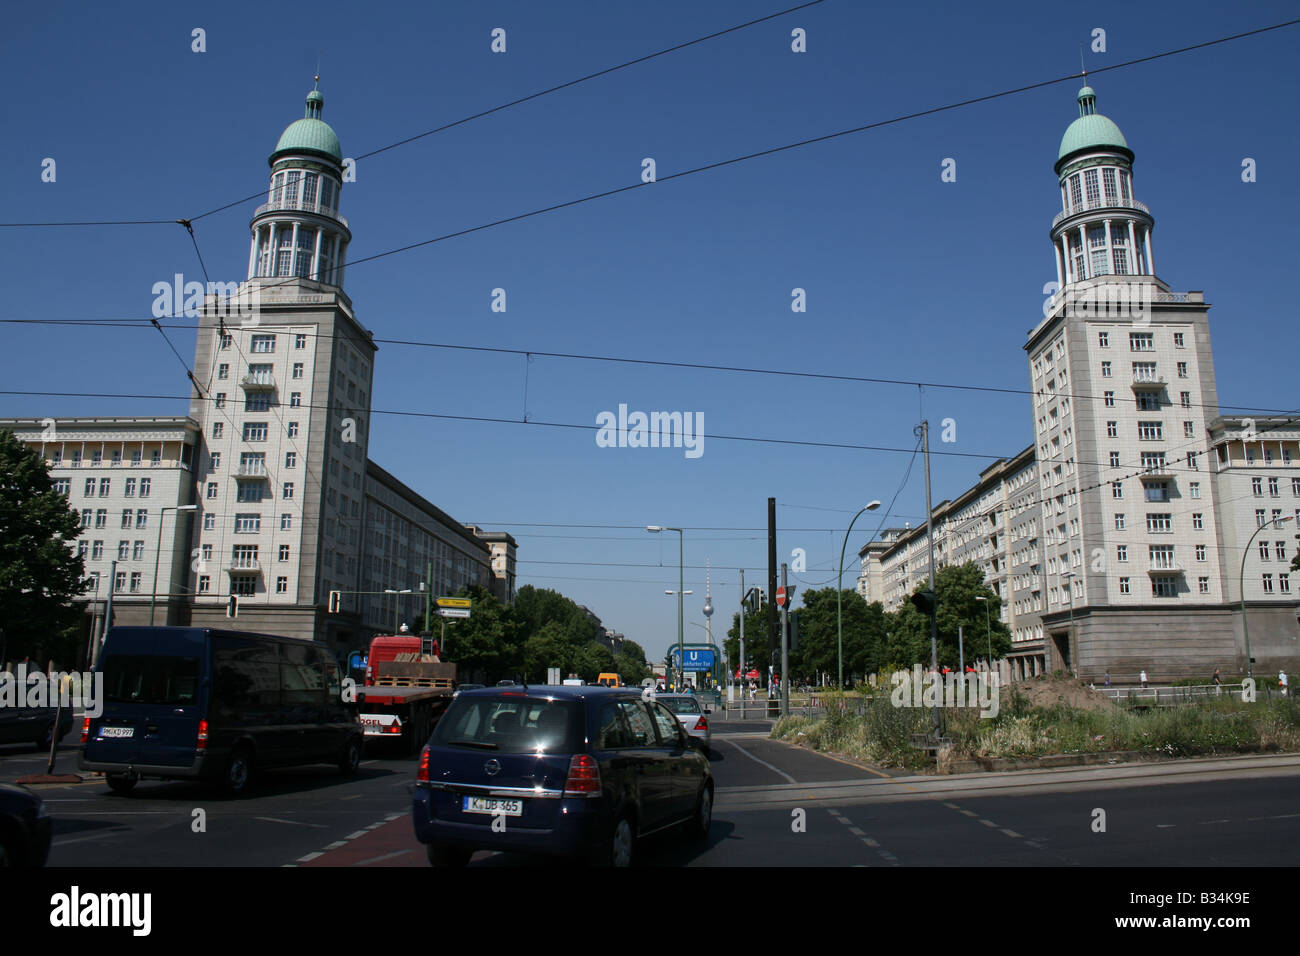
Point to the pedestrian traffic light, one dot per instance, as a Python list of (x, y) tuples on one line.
[(232, 609), (924, 601)]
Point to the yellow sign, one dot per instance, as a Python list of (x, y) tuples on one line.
[(453, 602)]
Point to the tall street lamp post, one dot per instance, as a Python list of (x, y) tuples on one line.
[(681, 583), (1241, 586), (839, 587), (157, 554), (1073, 644), (396, 609)]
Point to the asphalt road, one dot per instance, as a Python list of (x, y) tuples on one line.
[(776, 805)]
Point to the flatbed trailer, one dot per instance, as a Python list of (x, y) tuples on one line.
[(405, 700)]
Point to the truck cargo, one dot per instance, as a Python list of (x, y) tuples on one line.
[(406, 689)]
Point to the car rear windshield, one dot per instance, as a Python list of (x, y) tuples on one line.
[(512, 725), (681, 705), (151, 679)]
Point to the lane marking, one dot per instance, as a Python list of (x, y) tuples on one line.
[(780, 773), (353, 836), (309, 857), (98, 836), (1012, 833), (989, 823), (386, 856), (296, 823), (336, 844)]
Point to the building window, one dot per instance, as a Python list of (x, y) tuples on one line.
[(127, 515), (130, 488), (142, 518), (123, 550), (1117, 489), (212, 490), (1123, 586), (300, 341), (1185, 399), (221, 400), (103, 487), (263, 343), (225, 340), (82, 548), (1105, 370), (1141, 342), (1178, 340), (1119, 521), (101, 518), (1194, 489), (1272, 488), (1160, 523), (1151, 431), (1112, 429), (248, 491), (284, 552), (217, 429), (254, 431), (137, 551), (97, 550), (205, 584), (90, 487), (297, 370), (243, 585), (1203, 585), (135, 581), (290, 459), (286, 522), (1198, 523), (1110, 399), (223, 372), (119, 581), (1164, 587), (293, 429), (1189, 430), (1268, 583), (1200, 552), (295, 399), (1114, 459), (63, 486), (281, 585), (1103, 339), (1257, 487), (1182, 370), (257, 403), (288, 490), (1284, 583), (209, 522), (248, 523)]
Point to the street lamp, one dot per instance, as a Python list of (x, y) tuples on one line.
[(395, 603), (839, 586), (681, 581), (988, 628), (1074, 650), (157, 554), (681, 648), (1241, 586)]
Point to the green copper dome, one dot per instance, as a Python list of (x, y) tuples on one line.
[(1091, 130), (311, 133)]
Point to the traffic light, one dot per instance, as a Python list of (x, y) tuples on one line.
[(232, 609), (335, 599), (924, 601)]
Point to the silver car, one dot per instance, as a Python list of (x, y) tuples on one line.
[(692, 714)]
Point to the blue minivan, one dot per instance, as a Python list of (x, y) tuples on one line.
[(573, 771), (192, 703)]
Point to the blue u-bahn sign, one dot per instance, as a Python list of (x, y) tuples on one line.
[(698, 660)]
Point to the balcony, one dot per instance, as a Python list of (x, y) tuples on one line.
[(254, 469), (258, 383), (1149, 383), (243, 565), (1160, 472), (281, 205), (1100, 204), (1157, 571)]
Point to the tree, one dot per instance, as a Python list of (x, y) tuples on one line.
[(819, 651), (957, 587), (487, 641), (39, 574), (755, 641)]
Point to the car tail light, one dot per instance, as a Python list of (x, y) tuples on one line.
[(584, 776), (85, 730), (422, 775), (701, 724), (202, 742)]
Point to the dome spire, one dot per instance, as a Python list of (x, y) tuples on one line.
[(315, 102)]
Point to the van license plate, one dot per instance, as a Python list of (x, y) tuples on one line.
[(494, 805), (117, 731)]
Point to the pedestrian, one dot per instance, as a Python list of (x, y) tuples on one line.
[(1282, 682), (1143, 678), (1107, 678)]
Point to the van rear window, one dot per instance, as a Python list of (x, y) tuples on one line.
[(151, 679)]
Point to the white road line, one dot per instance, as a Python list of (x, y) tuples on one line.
[(386, 856), (988, 823), (856, 832), (336, 844), (1013, 834), (394, 816), (297, 823), (309, 857), (353, 836), (780, 773), (97, 836), (969, 813)]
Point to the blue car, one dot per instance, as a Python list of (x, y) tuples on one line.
[(569, 771)]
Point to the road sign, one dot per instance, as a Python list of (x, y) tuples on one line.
[(697, 660), (453, 602), (780, 597), (454, 611)]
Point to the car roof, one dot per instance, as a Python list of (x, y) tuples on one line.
[(556, 691)]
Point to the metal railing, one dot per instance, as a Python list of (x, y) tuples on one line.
[(1180, 695)]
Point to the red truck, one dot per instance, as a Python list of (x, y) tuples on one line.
[(407, 687)]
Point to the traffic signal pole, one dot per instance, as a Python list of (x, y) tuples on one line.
[(785, 647)]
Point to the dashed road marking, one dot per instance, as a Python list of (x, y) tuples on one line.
[(778, 772), (862, 835), (296, 823)]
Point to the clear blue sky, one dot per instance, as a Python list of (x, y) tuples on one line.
[(907, 277)]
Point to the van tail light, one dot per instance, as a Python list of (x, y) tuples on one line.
[(422, 775), (701, 724), (85, 729), (584, 776), (202, 742)]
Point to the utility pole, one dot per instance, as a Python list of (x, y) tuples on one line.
[(785, 647), (108, 611), (742, 626), (929, 537), (771, 581), (961, 653)]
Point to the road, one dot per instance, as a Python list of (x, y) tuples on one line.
[(776, 805)]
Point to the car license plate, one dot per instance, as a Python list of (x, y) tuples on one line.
[(494, 806), (117, 731)]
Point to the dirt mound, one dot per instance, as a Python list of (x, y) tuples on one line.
[(1044, 691)]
